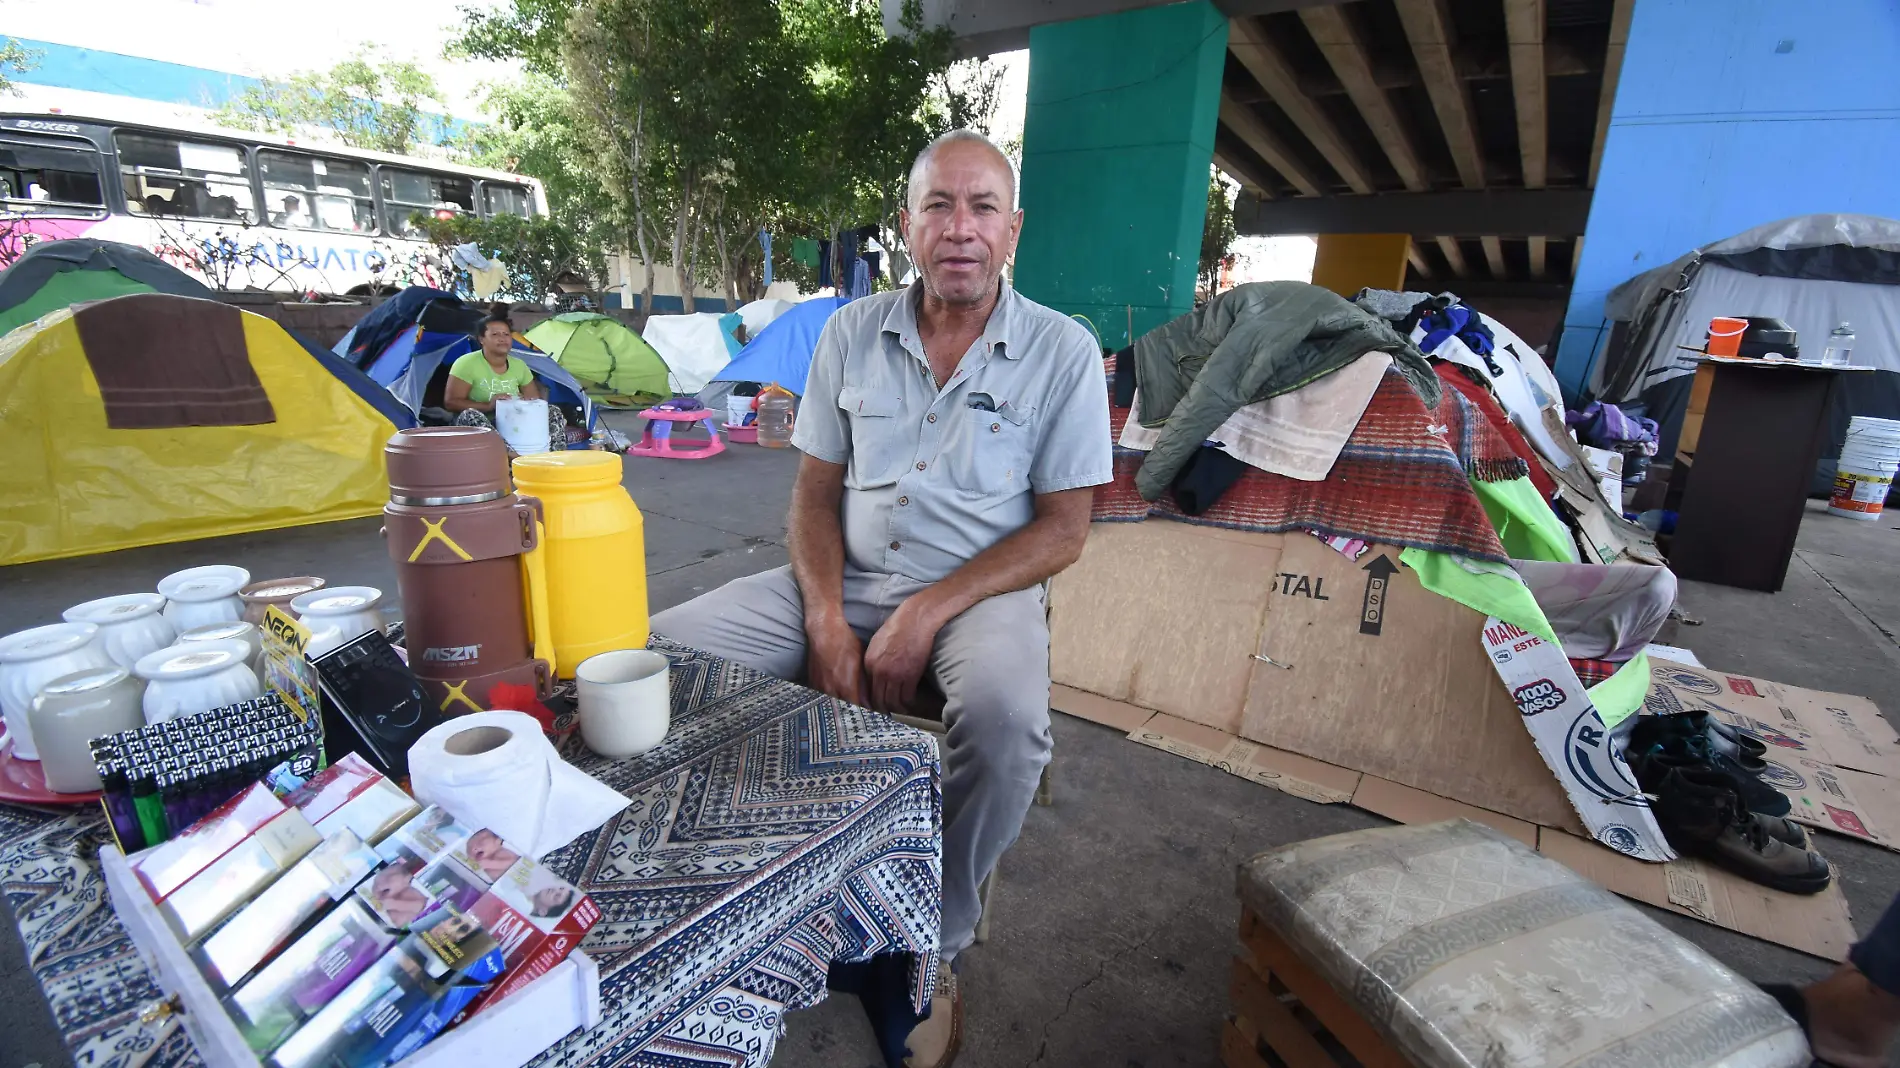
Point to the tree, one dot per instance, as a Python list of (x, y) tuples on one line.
[(1217, 232), (533, 130), (536, 251), (15, 59), (365, 101)]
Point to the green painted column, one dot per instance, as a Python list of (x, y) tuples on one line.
[(1117, 139)]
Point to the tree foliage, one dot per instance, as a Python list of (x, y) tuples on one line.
[(366, 101), (1217, 233), (15, 59), (536, 251)]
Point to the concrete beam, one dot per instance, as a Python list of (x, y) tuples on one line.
[(1454, 256), (1255, 135), (1249, 44), (1244, 173), (1465, 212), (985, 27), (1337, 40), (1612, 72), (1524, 29), (1428, 26)]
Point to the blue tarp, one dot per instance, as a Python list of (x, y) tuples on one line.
[(782, 352)]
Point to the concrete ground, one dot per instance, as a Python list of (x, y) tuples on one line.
[(1114, 913)]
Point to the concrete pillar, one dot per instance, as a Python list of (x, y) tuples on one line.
[(1348, 263), (1730, 114), (1118, 137)]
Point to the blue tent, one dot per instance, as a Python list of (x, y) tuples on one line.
[(782, 351)]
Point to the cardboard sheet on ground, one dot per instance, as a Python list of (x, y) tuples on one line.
[(1277, 659)]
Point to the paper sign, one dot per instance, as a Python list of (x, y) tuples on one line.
[(1573, 741), (286, 672)]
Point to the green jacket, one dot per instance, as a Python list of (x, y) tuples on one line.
[(1250, 343)]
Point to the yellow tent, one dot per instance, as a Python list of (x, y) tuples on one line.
[(152, 418)]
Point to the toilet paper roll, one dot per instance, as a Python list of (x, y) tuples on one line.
[(497, 770)]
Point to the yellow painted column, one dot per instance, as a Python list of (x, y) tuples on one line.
[(1347, 263)]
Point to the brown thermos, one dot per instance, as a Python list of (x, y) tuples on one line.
[(458, 533)]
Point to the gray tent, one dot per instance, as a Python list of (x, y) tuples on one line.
[(1812, 271)]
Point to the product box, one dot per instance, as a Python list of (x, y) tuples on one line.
[(285, 670), (485, 854), (324, 876), (305, 976), (538, 918), (362, 1026), (164, 868), (429, 835), (239, 875), (350, 793)]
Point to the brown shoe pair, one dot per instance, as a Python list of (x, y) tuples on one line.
[(933, 1043)]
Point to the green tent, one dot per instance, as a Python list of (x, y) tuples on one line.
[(54, 274), (613, 362)]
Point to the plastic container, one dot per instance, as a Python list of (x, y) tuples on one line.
[(1725, 335), (1869, 457), (1840, 347), (523, 424), (776, 408), (591, 563)]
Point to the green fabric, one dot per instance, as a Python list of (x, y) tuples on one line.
[(1253, 342), (67, 288), (1488, 589), (1525, 524), (484, 384), (603, 354), (1620, 695), (805, 251)]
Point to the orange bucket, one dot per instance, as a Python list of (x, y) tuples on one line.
[(1725, 336)]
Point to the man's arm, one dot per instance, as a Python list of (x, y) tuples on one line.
[(455, 397), (900, 650), (834, 661)]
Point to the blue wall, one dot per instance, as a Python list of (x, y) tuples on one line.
[(1717, 129)]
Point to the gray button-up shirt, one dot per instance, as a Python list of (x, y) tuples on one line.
[(936, 476)]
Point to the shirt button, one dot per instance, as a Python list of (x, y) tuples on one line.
[(903, 500), (931, 418), (920, 465), (897, 545), (996, 428)]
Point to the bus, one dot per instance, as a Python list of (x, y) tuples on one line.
[(241, 210)]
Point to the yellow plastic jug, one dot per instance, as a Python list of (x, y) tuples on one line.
[(591, 563)]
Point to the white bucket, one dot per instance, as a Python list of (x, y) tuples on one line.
[(1860, 489), (523, 425), (737, 408)]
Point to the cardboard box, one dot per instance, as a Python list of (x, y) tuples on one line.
[(1274, 658)]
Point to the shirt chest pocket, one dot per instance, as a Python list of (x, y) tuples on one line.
[(987, 454), (880, 448)]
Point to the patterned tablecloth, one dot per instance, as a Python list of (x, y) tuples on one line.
[(774, 832)]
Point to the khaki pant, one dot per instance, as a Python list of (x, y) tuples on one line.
[(992, 665)]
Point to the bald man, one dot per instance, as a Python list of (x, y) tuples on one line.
[(952, 433)]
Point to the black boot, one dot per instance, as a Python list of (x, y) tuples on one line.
[(1678, 744), (1702, 815)]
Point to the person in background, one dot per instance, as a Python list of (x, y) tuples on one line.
[(493, 372), (1852, 1017), (293, 215)]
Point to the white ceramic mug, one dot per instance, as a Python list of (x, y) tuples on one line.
[(353, 610), (625, 706), (31, 659), (200, 595), (70, 711), (182, 680), (130, 625)]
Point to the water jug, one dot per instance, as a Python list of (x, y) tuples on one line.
[(458, 534), (775, 416), (1840, 347), (592, 559)]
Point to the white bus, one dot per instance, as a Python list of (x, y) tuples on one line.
[(240, 210)]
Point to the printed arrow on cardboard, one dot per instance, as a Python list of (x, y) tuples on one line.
[(1379, 571)]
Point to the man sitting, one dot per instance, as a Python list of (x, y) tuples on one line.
[(952, 432)]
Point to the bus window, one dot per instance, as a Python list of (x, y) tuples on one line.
[(308, 193), (169, 177), (47, 178), (408, 192), (504, 199)]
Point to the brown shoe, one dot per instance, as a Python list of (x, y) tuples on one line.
[(933, 1043)]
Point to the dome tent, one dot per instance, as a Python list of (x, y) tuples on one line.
[(604, 355), (56, 274), (1812, 271), (150, 418), (782, 352), (695, 347)]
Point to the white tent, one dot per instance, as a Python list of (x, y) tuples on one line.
[(759, 314), (694, 347)]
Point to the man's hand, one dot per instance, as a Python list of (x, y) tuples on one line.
[(834, 663), (898, 654)]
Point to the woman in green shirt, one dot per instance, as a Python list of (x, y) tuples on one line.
[(478, 379)]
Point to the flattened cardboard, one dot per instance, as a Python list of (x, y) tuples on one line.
[(1814, 923), (1082, 704), (1290, 773), (1406, 805)]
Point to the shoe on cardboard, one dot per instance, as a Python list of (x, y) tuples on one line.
[(933, 1042), (1702, 815), (1652, 753)]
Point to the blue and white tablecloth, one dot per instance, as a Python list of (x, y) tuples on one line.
[(774, 832)]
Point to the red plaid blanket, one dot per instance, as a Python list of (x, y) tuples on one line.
[(1400, 480)]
